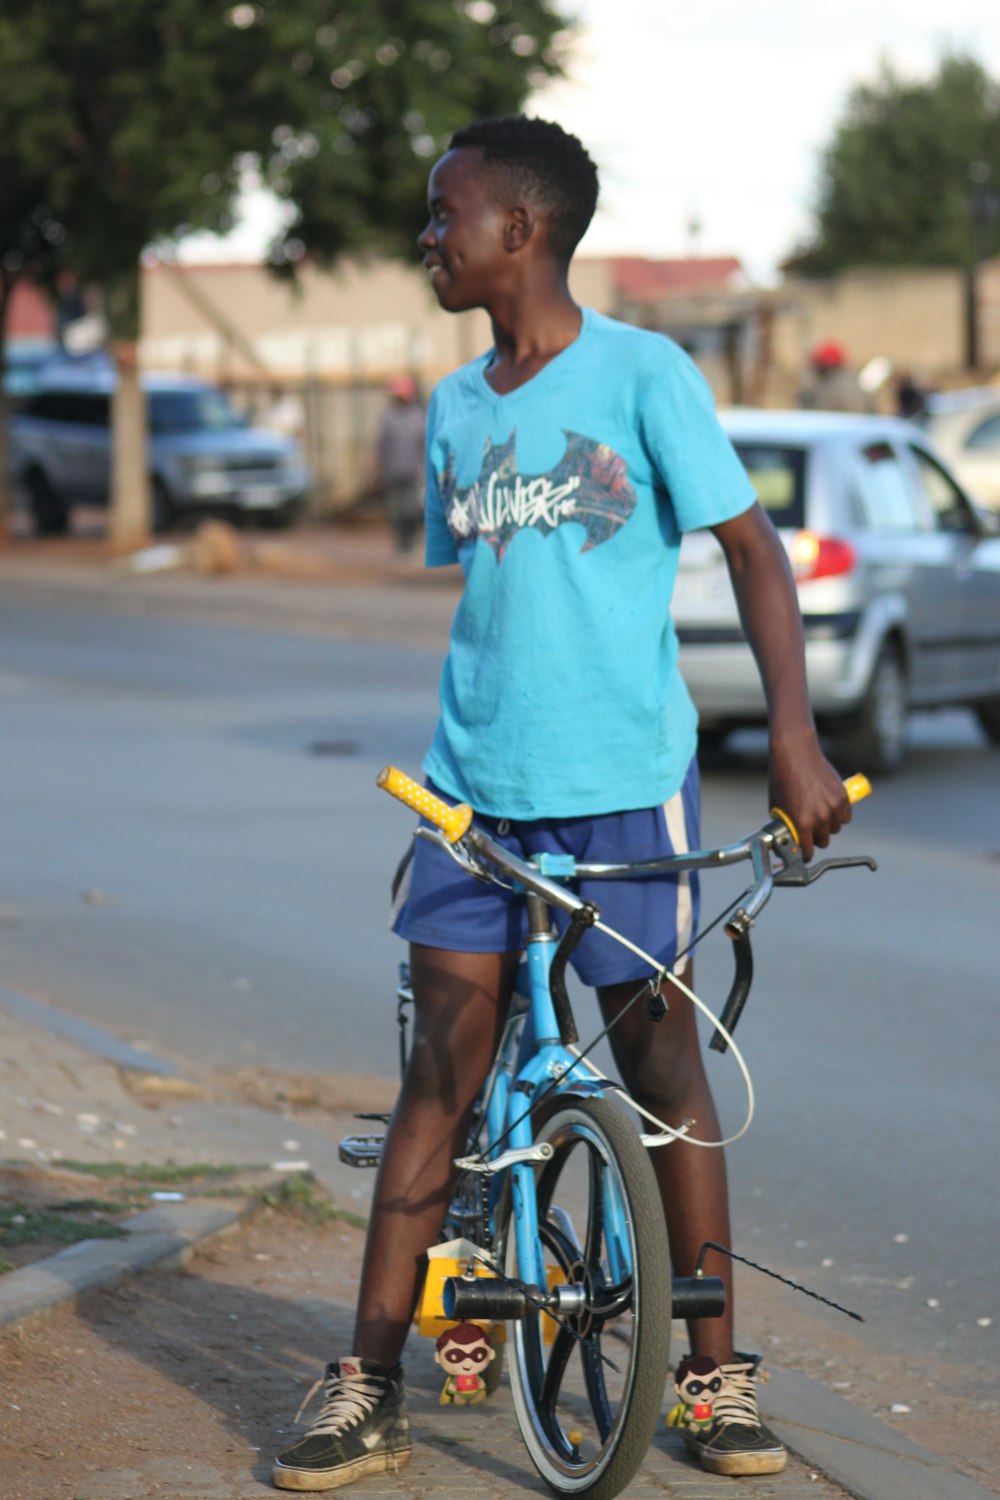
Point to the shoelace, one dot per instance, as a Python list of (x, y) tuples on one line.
[(348, 1399), (737, 1401)]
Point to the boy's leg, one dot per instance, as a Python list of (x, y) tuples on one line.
[(461, 1002), (661, 1066)]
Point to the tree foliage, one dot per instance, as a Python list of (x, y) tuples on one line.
[(139, 116), (132, 122), (898, 181)]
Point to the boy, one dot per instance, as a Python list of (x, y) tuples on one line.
[(562, 468)]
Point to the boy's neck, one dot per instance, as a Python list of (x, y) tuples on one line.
[(530, 330)]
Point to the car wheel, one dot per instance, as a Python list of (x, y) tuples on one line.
[(49, 510), (876, 740), (164, 509), (280, 518), (988, 714)]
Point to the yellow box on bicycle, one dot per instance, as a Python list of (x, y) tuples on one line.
[(451, 1259)]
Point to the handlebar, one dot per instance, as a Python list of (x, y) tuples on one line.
[(773, 852)]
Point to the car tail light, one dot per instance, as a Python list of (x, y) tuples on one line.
[(820, 556)]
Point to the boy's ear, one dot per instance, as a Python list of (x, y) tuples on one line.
[(519, 228)]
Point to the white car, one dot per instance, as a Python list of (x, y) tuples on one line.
[(964, 426), (898, 578)]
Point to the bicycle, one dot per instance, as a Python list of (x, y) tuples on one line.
[(556, 1202)]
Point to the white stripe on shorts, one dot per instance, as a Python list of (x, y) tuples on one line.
[(673, 814)]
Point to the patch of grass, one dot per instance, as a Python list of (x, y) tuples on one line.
[(157, 1176), (302, 1195), (21, 1225)]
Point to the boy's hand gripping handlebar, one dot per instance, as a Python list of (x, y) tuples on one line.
[(856, 787)]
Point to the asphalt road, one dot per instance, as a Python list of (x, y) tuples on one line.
[(193, 855)]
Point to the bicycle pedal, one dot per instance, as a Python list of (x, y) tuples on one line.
[(361, 1150)]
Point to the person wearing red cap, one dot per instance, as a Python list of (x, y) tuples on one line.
[(831, 385)]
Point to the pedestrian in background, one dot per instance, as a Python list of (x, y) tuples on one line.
[(400, 462), (831, 384)]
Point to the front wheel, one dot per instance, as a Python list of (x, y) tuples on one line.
[(588, 1391)]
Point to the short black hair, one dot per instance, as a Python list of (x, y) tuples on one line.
[(541, 162)]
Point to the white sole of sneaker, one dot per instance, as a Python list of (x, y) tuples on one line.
[(740, 1465), (309, 1480)]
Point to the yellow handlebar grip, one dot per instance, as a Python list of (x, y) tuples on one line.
[(452, 821), (857, 787)]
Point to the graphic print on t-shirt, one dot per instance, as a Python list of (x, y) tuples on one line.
[(589, 485)]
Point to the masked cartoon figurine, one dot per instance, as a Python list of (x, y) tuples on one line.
[(697, 1381), (463, 1353)]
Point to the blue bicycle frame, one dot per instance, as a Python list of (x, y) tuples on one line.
[(532, 1063)]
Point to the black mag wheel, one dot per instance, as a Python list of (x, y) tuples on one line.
[(588, 1394)]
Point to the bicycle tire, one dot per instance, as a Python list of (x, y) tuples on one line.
[(612, 1416)]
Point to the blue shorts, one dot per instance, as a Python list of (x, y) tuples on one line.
[(440, 906)]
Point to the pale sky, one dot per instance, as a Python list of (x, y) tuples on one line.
[(715, 110)]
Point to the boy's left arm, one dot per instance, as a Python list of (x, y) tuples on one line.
[(802, 781)]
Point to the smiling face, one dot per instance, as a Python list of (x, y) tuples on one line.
[(467, 240)]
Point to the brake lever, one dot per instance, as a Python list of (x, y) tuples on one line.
[(795, 871), (459, 852)]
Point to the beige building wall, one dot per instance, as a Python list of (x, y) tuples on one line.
[(365, 320), (915, 317)]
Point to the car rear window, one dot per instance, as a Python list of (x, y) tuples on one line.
[(777, 473)]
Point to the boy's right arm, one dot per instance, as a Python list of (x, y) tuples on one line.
[(802, 781)]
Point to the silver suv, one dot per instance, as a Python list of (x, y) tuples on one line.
[(898, 578), (202, 456)]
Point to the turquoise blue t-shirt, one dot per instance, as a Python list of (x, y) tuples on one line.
[(565, 501)]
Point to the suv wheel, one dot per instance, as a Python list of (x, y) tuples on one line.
[(876, 740), (988, 714), (281, 517), (164, 510), (50, 511)]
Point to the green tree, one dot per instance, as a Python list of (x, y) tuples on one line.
[(137, 117), (895, 185)]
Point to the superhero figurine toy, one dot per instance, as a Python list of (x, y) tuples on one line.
[(698, 1380), (462, 1353)]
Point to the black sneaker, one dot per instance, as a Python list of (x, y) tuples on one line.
[(736, 1442), (362, 1428)]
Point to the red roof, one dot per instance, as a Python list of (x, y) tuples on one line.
[(649, 280)]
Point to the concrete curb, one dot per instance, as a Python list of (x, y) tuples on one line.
[(856, 1450), (160, 1237)]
